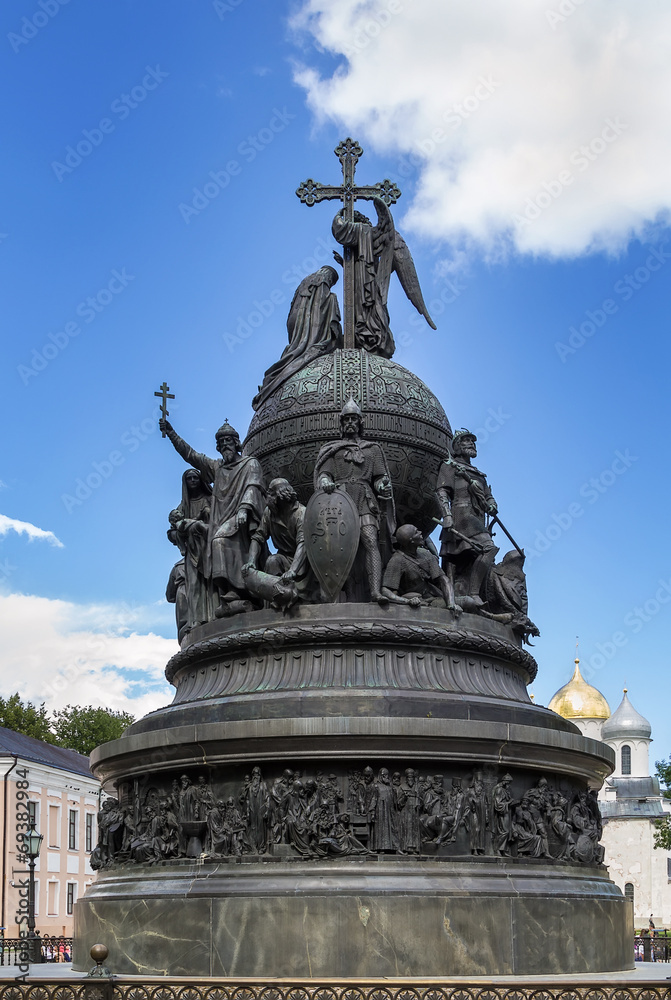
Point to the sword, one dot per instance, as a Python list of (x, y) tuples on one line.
[(464, 538), (495, 519)]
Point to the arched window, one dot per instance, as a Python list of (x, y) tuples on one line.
[(626, 759), (629, 891)]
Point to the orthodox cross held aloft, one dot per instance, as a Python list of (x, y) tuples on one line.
[(310, 192), (164, 395)]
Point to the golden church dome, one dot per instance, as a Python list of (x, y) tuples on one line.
[(579, 700)]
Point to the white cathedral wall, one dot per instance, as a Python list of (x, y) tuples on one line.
[(589, 727), (640, 756), (631, 857)]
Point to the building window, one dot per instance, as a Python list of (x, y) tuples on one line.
[(32, 814), (73, 823), (71, 897), (52, 899), (89, 832), (629, 892), (668, 869), (37, 896), (54, 826), (625, 757)]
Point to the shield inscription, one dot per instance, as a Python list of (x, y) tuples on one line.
[(331, 530)]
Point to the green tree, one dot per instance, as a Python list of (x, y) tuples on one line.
[(83, 728), (663, 831), (26, 718)]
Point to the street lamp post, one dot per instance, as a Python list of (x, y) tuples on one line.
[(33, 842)]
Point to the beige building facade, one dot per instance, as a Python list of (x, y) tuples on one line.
[(57, 790)]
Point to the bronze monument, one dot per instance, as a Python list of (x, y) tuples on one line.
[(352, 779)]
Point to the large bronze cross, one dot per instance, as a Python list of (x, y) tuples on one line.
[(310, 192), (164, 395)]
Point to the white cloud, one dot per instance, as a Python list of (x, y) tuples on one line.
[(487, 104), (65, 653), (8, 524)]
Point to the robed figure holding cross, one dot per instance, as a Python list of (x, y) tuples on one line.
[(237, 505)]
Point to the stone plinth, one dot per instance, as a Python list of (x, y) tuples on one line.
[(357, 918), (327, 693)]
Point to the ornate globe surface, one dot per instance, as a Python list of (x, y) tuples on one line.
[(400, 413)]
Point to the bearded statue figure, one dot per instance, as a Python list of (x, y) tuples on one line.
[(359, 468), (236, 510), (465, 500)]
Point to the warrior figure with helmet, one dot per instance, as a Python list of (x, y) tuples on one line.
[(465, 498), (360, 469)]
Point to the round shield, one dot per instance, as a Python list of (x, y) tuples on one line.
[(331, 530)]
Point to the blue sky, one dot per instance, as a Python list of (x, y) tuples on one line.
[(143, 256)]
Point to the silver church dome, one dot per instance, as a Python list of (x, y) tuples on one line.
[(626, 721)]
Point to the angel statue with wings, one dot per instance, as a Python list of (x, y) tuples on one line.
[(370, 254), (377, 251)]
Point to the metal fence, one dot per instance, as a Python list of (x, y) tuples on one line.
[(228, 989), (14, 951), (653, 948)]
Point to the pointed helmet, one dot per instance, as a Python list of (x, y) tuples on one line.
[(351, 408)]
